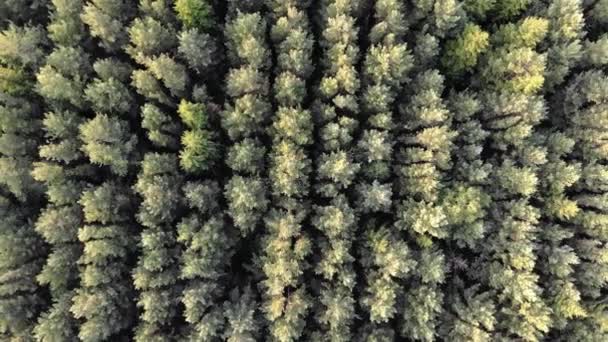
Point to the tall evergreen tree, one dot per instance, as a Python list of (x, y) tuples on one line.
[(563, 39), (287, 245), (157, 271), (245, 118), (384, 254), (63, 166), (336, 110), (423, 159), (512, 76), (22, 250), (469, 308), (585, 108), (104, 300)]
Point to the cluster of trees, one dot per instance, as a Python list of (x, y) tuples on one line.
[(295, 170)]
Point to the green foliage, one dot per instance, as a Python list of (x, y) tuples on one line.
[(162, 131), (109, 93), (526, 33), (462, 53), (21, 261), (199, 148), (479, 8), (390, 261), (106, 20), (195, 13), (157, 269), (247, 156), (107, 142), (199, 50), (527, 65), (511, 8), (248, 201), (283, 266), (66, 27), (104, 281), (599, 12), (595, 52), (149, 37), (64, 76), (21, 45), (208, 248), (335, 170)]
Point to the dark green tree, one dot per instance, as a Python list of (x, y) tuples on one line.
[(22, 251), (157, 272), (513, 74), (584, 104), (564, 36), (469, 308), (422, 162), (63, 168), (106, 21), (104, 300), (208, 247), (384, 254), (246, 115), (286, 297), (336, 109)]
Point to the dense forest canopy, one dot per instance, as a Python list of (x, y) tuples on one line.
[(298, 170)]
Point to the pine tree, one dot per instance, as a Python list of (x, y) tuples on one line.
[(200, 150), (107, 137), (156, 276), (152, 43), (469, 309), (286, 298), (423, 159), (463, 52), (23, 251), (63, 167), (335, 110), (208, 243), (104, 299), (512, 75), (557, 257), (157, 271), (106, 21), (564, 37), (246, 115), (584, 105), (384, 254)]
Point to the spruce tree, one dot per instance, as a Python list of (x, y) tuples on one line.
[(63, 167), (336, 109), (245, 117), (384, 254), (104, 300), (157, 272), (469, 308), (512, 75), (564, 40), (159, 182), (584, 105), (208, 247), (557, 257), (423, 160), (23, 251), (286, 170), (287, 246)]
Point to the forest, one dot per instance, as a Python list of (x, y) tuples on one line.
[(303, 170)]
